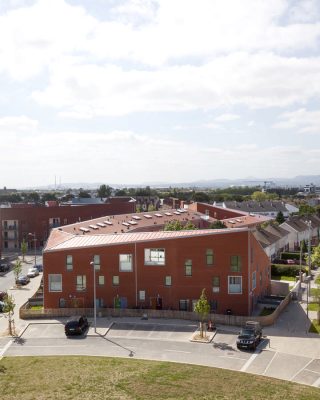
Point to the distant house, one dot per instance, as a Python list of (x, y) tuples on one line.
[(266, 208)]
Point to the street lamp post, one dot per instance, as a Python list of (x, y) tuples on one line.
[(94, 296), (35, 246)]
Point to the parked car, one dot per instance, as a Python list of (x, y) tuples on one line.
[(32, 272), (22, 280), (291, 261), (249, 336), (39, 267), (76, 326), (4, 267), (1, 306)]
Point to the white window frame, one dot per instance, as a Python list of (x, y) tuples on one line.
[(58, 289), (187, 265), (69, 265), (209, 253), (96, 262), (142, 295), (154, 256), (234, 277), (125, 262), (101, 280)]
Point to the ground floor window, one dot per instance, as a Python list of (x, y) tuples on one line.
[(234, 284), (142, 295), (184, 305), (55, 283), (81, 283)]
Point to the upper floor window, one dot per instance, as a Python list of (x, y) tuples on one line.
[(55, 283), (216, 284), (188, 267), (69, 263), (235, 263), (168, 280), (254, 279), (96, 262), (209, 257), (154, 256), (125, 262)]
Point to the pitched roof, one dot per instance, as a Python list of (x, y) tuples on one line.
[(256, 206), (68, 241)]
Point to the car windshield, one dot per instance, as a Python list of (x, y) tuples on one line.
[(246, 332), (72, 324)]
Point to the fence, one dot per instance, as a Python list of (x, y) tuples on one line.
[(26, 313)]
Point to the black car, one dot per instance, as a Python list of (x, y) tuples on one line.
[(76, 326), (39, 267), (22, 280), (4, 267), (250, 336)]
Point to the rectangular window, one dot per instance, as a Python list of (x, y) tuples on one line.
[(254, 279), (235, 263), (184, 305), (216, 284), (81, 283), (142, 295), (125, 262), (101, 279), (168, 281), (234, 284), (96, 262), (115, 280), (69, 263), (188, 268), (55, 283), (213, 305), (209, 257), (154, 256)]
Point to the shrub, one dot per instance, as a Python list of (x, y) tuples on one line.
[(287, 270), (290, 256)]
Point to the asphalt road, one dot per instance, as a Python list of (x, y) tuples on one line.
[(165, 342)]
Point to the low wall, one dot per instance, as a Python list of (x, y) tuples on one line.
[(27, 313)]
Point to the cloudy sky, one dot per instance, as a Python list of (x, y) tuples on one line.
[(133, 91)]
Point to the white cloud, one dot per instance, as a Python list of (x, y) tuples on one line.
[(227, 117), (301, 120), (18, 123)]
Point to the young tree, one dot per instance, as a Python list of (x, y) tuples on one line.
[(24, 248), (9, 306), (217, 225), (189, 226), (280, 218), (104, 191), (173, 226), (17, 268), (259, 196), (202, 307)]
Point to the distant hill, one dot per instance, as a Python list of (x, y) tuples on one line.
[(296, 181)]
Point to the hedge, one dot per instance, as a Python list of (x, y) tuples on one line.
[(287, 270), (291, 256)]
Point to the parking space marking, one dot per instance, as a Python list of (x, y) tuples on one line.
[(250, 361), (5, 348), (270, 362), (61, 345), (301, 369), (233, 358), (317, 383), (178, 351)]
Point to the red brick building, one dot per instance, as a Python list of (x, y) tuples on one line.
[(155, 269), (18, 220)]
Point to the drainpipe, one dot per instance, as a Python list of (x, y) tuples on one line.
[(136, 272)]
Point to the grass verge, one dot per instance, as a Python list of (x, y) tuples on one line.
[(314, 327), (313, 306), (112, 378)]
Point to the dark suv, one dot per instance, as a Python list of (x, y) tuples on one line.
[(250, 336), (4, 268), (76, 326)]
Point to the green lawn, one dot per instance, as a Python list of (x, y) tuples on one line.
[(283, 278), (313, 306), (90, 378)]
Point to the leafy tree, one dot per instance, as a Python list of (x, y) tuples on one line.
[(24, 248), (33, 196), (305, 209), (259, 196), (189, 226), (48, 197), (304, 247), (17, 268), (316, 299), (173, 226), (84, 194), (280, 218), (121, 192), (202, 307), (104, 191), (9, 306), (201, 197), (315, 257), (217, 225)]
